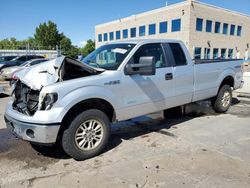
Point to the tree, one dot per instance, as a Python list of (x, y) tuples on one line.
[(47, 36), (67, 48), (88, 48)]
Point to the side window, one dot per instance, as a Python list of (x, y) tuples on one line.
[(35, 62), (154, 50), (178, 54), (22, 58)]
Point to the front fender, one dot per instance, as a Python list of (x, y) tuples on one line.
[(78, 95)]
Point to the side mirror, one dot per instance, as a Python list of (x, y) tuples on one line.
[(146, 66)]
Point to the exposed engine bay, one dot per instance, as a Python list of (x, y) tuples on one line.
[(31, 81)]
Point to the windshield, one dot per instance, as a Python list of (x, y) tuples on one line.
[(109, 56)]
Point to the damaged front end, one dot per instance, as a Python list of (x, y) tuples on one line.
[(26, 100), (27, 97)]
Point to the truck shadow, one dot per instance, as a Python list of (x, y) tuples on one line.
[(3, 95)]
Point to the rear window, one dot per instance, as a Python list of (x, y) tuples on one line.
[(178, 54)]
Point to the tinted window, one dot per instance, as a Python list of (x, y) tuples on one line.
[(217, 27), (125, 33), (142, 31), (37, 62), (163, 27), (31, 57), (100, 38), (223, 53), (239, 31), (199, 23), (133, 32), (232, 29), (207, 53), (22, 58), (118, 35), (154, 50), (178, 54), (230, 53), (215, 53), (111, 36), (209, 26), (197, 53), (176, 25), (151, 29), (225, 28), (105, 36)]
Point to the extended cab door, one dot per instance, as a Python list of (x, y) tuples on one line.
[(183, 78), (146, 94)]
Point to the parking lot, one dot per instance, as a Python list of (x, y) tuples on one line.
[(201, 149)]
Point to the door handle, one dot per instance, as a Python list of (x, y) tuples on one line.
[(168, 76)]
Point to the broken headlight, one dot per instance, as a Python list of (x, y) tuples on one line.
[(46, 100)]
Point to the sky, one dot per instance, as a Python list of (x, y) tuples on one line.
[(77, 18)]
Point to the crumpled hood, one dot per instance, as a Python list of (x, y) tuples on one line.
[(40, 75), (47, 72)]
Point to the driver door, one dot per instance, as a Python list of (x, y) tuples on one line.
[(147, 94)]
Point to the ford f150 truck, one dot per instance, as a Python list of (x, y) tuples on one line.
[(73, 103)]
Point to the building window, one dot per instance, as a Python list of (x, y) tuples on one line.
[(151, 29), (209, 26), (142, 30), (199, 23), (225, 28), (125, 33), (176, 25), (105, 36), (232, 30), (118, 35), (223, 53), (239, 31), (100, 38), (217, 27), (163, 28), (133, 32), (215, 53), (197, 53), (207, 53), (230, 53), (111, 36)]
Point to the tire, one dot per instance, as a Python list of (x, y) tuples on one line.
[(87, 135), (173, 113), (222, 102)]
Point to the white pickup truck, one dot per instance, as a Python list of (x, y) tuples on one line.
[(73, 103)]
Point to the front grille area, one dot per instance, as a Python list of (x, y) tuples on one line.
[(25, 99)]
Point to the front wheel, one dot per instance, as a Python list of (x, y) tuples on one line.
[(87, 135), (222, 102)]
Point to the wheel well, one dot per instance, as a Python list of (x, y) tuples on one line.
[(94, 103), (229, 80)]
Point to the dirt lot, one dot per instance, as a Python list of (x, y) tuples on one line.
[(201, 149)]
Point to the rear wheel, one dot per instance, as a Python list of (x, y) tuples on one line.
[(222, 102), (87, 135)]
